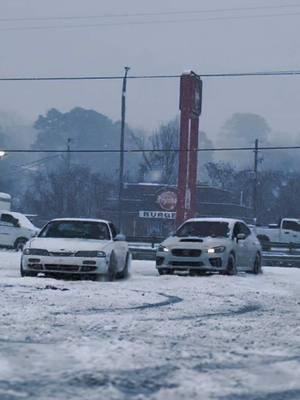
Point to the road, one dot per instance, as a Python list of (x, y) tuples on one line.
[(150, 337)]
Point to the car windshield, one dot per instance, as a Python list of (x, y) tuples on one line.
[(204, 229), (76, 229)]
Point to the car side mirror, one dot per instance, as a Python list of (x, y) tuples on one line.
[(120, 238), (240, 236)]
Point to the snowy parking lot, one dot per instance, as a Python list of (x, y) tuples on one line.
[(150, 337)]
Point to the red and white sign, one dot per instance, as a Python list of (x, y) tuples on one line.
[(167, 200)]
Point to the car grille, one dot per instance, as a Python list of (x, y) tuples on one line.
[(61, 254), (61, 268), (186, 252), (186, 263)]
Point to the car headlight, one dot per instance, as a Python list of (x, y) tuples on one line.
[(162, 248), (35, 252), (215, 250), (94, 253)]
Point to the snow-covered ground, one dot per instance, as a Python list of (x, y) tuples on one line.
[(150, 337)]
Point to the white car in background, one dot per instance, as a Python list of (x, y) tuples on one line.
[(77, 246), (210, 245), (15, 229)]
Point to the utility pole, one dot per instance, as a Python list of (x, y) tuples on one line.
[(69, 153), (122, 140), (68, 165), (255, 181)]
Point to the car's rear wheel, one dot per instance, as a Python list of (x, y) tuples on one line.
[(19, 244), (265, 242), (231, 268)]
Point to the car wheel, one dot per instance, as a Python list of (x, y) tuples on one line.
[(124, 274), (265, 242), (257, 269), (231, 266), (24, 273), (169, 272), (19, 244), (112, 268), (165, 271)]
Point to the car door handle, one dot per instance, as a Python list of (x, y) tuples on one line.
[(287, 233)]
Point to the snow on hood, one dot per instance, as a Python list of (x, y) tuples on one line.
[(195, 242), (59, 244)]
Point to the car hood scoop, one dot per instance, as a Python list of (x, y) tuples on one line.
[(192, 240)]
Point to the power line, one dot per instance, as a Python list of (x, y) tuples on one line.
[(36, 162), (149, 14), (109, 151), (150, 22), (162, 76)]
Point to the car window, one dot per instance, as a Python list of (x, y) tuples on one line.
[(113, 229), (236, 229), (244, 229), (76, 229), (9, 220), (291, 225), (204, 229)]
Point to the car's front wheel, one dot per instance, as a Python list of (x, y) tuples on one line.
[(165, 271), (112, 268), (25, 273), (231, 268), (257, 269), (124, 274)]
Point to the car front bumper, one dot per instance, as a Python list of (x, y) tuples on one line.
[(65, 265), (205, 262)]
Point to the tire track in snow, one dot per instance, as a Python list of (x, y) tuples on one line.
[(245, 309), (170, 300), (292, 394)]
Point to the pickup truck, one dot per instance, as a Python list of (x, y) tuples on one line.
[(287, 231), (15, 230)]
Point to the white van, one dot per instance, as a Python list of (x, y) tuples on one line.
[(15, 229), (5, 201)]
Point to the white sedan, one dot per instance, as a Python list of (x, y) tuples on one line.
[(77, 246), (210, 245)]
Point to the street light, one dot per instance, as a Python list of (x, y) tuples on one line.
[(2, 153)]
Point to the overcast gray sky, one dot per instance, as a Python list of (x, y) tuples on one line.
[(206, 45)]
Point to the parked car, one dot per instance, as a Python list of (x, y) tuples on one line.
[(77, 246), (210, 245), (287, 231), (15, 229)]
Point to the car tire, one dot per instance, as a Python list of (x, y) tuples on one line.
[(257, 269), (112, 268), (231, 268), (19, 244), (169, 272), (24, 273), (265, 242), (124, 274), (165, 271)]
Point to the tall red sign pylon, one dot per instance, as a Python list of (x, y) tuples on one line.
[(190, 108)]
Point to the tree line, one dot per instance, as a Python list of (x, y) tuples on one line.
[(82, 184)]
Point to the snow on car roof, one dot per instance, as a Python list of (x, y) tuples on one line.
[(81, 219), (215, 219)]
